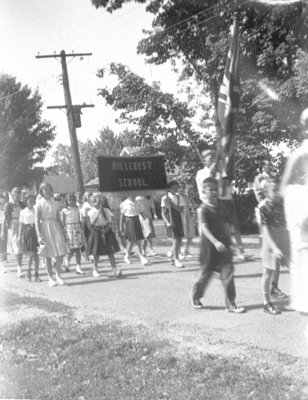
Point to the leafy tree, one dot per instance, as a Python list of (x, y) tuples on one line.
[(24, 136), (161, 122), (274, 50), (107, 143)]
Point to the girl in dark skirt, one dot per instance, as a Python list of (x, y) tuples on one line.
[(27, 236), (101, 239), (172, 206), (130, 227)]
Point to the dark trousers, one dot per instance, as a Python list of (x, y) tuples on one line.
[(226, 273)]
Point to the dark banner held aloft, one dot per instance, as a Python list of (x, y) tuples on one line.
[(118, 174)]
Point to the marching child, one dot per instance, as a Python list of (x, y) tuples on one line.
[(172, 205), (215, 252), (131, 228), (73, 231), (27, 236), (275, 248), (49, 231), (101, 239)]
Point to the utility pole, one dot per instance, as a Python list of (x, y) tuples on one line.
[(72, 112)]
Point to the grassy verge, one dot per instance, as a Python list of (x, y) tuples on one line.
[(57, 357)]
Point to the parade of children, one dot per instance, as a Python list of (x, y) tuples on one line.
[(45, 229)]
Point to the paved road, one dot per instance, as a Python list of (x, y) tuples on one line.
[(159, 297)]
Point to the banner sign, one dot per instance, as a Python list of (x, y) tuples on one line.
[(118, 174)]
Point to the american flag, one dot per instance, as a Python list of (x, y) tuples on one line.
[(228, 101)]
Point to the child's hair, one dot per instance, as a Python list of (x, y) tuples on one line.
[(97, 195), (43, 186), (30, 196), (209, 181), (172, 183), (16, 189), (206, 152), (69, 196)]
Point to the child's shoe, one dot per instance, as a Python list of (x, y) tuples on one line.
[(276, 292), (3, 269), (269, 308), (127, 260), (52, 282), (178, 264), (197, 304), (144, 261), (79, 271), (20, 272), (96, 274), (59, 280), (37, 278), (236, 310)]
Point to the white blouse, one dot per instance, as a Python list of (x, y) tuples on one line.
[(27, 216)]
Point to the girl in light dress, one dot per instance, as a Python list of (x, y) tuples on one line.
[(101, 239), (50, 233), (27, 236), (10, 227), (73, 231)]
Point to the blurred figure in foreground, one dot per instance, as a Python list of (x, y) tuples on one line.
[(294, 188)]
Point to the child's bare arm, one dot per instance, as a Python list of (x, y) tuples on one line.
[(164, 215)]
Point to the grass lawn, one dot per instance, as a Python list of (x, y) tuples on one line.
[(55, 356)]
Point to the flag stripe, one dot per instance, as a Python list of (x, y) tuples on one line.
[(228, 101)]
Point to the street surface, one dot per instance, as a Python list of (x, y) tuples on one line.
[(158, 296)]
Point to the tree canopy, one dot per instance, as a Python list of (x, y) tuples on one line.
[(273, 73), (24, 136), (107, 143)]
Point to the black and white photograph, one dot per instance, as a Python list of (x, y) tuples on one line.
[(154, 199)]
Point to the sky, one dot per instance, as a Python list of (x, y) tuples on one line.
[(32, 27)]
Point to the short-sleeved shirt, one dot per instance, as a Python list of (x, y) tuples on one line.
[(176, 199), (27, 216), (272, 214), (216, 220), (97, 218), (129, 208), (71, 215)]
